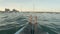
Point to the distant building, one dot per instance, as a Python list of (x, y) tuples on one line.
[(7, 10), (15, 10)]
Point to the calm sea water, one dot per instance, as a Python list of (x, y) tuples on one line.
[(49, 22)]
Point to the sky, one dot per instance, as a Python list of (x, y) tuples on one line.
[(28, 5)]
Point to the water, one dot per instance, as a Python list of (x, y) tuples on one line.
[(52, 21), (49, 23)]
